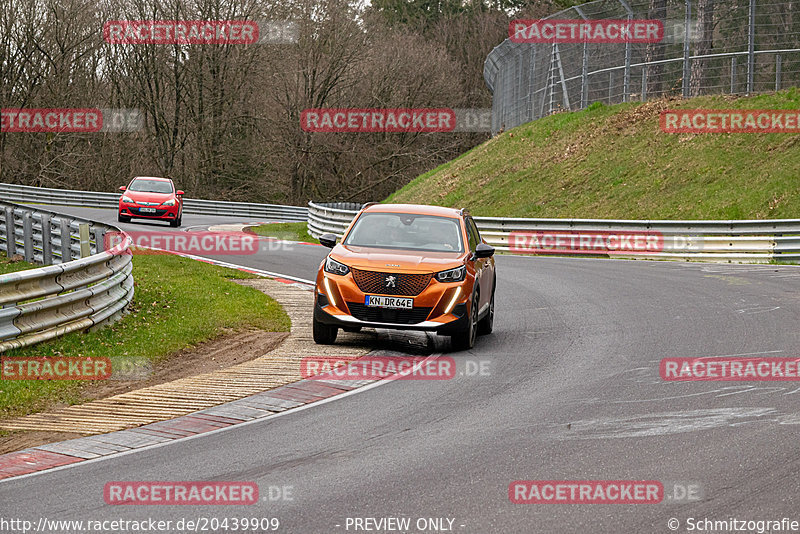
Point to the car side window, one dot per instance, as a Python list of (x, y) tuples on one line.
[(474, 227), (471, 235)]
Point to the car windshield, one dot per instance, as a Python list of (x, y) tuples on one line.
[(150, 186), (406, 231)]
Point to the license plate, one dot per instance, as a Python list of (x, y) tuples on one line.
[(376, 301), (147, 210)]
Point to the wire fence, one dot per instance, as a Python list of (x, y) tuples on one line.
[(708, 47)]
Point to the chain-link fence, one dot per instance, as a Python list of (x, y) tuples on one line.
[(709, 47)]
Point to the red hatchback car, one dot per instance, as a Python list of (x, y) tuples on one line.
[(148, 197)]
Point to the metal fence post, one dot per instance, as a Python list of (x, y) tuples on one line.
[(584, 66), (777, 72), (626, 80), (27, 236), (610, 85), (11, 234), (686, 51), (733, 74), (644, 83), (751, 46), (47, 247)]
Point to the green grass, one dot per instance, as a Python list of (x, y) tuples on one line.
[(177, 303), (8, 266), (295, 231), (615, 162)]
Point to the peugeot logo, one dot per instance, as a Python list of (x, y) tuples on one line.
[(390, 280)]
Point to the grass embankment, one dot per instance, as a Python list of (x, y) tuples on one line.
[(294, 231), (11, 266), (615, 162), (177, 303)]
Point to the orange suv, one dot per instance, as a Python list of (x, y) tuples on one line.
[(408, 267)]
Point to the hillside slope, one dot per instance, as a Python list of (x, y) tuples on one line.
[(615, 162)]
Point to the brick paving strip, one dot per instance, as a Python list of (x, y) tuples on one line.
[(193, 405)]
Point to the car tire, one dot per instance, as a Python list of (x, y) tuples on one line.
[(324, 334), (121, 218), (175, 223), (486, 324), (465, 340)]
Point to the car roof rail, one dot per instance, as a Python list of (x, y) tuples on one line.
[(368, 204)]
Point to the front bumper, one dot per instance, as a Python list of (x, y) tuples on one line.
[(339, 302), (163, 213), (456, 325)]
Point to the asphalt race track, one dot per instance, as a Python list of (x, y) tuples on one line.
[(573, 393)]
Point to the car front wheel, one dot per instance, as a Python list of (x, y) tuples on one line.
[(324, 334), (123, 219), (465, 340)]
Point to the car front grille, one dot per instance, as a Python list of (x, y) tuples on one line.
[(363, 312), (391, 283)]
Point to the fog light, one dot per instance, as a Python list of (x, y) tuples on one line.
[(452, 302), (329, 291)]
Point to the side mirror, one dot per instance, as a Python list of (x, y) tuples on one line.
[(483, 251), (122, 188), (180, 192), (329, 240)]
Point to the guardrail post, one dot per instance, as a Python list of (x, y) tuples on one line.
[(47, 247), (11, 233), (27, 236), (83, 232), (66, 241), (99, 239)]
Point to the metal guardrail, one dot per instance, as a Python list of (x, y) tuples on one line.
[(730, 241), (97, 199), (68, 294)]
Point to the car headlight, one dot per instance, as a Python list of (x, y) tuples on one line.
[(452, 275), (170, 202), (334, 267), (127, 199)]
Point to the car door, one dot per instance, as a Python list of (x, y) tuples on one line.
[(483, 271)]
